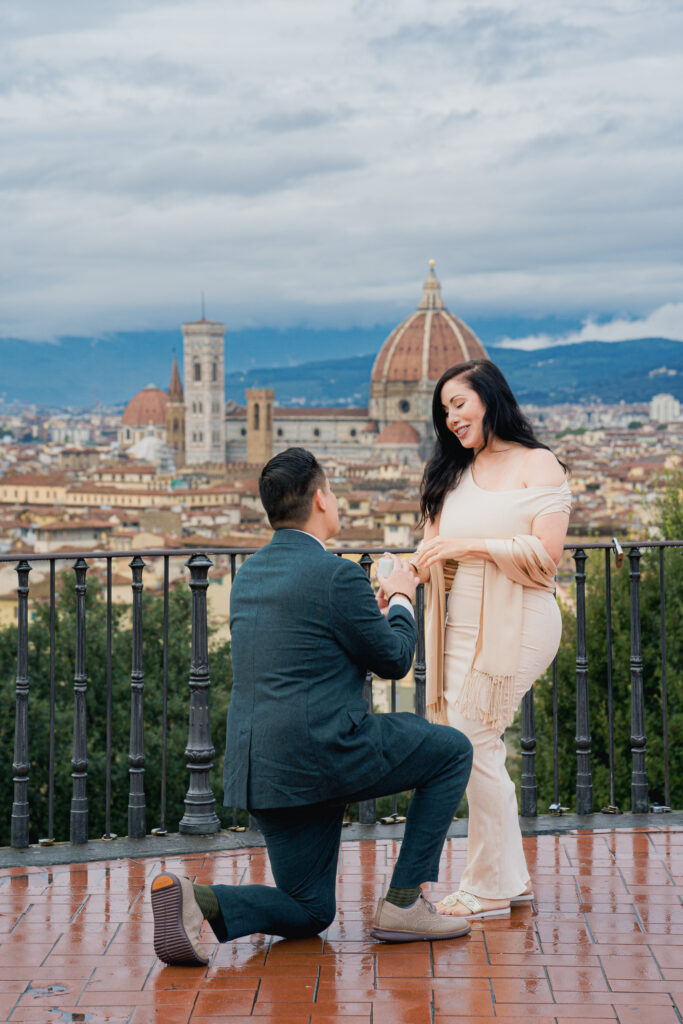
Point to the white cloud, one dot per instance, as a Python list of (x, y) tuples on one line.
[(303, 161), (665, 322)]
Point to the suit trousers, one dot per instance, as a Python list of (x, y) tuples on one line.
[(303, 843)]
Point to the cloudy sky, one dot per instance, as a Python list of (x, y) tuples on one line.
[(301, 160)]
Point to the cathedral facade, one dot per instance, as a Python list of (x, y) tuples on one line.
[(201, 428)]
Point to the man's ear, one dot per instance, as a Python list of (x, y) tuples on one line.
[(320, 500)]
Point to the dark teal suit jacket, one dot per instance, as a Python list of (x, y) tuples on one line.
[(305, 629)]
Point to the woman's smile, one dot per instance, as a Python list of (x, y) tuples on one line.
[(464, 412)]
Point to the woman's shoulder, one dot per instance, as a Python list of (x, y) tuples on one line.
[(541, 469)]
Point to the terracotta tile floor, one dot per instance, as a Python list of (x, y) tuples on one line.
[(603, 941)]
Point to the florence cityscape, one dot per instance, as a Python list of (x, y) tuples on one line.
[(178, 466)]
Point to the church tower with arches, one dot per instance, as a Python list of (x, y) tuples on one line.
[(204, 373), (259, 425)]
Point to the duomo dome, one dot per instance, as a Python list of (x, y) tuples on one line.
[(144, 415), (413, 358), (147, 408)]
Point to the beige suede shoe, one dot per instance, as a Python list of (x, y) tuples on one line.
[(177, 922), (413, 924)]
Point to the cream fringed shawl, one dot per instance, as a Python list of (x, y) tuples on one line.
[(488, 691)]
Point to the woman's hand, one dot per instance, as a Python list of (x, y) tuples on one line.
[(402, 579), (440, 549)]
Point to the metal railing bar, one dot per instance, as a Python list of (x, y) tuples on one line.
[(137, 809), (21, 765), (233, 571), (662, 645), (79, 758), (556, 742), (610, 691), (210, 550), (394, 798), (107, 782), (164, 703), (639, 804), (584, 780), (367, 809), (200, 816), (420, 664), (51, 753), (147, 553), (528, 784)]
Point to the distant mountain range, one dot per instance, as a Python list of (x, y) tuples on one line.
[(632, 371), (79, 372)]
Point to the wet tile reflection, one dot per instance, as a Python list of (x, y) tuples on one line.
[(602, 940)]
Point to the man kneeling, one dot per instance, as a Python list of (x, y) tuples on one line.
[(301, 743)]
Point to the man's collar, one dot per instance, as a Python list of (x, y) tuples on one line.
[(293, 529), (307, 534)]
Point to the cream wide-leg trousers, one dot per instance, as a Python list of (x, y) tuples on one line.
[(496, 866)]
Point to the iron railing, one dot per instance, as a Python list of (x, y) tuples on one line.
[(200, 816)]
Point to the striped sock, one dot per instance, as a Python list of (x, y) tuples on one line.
[(206, 899), (402, 897)]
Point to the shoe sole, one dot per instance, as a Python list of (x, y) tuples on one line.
[(503, 912), (387, 936), (518, 901), (171, 943), (480, 915)]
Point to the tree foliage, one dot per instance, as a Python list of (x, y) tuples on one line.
[(179, 649), (670, 524)]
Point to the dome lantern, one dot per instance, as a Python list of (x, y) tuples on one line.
[(431, 298)]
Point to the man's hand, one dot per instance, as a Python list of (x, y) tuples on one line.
[(403, 579)]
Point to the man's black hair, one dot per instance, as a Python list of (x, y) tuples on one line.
[(287, 485)]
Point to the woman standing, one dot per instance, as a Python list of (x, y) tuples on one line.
[(496, 506)]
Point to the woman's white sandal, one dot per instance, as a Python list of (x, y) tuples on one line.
[(524, 897), (473, 905)]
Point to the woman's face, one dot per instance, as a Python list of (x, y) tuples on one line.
[(464, 412)]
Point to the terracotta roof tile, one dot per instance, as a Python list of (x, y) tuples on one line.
[(147, 408), (398, 432)]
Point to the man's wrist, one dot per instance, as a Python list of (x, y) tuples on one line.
[(399, 593)]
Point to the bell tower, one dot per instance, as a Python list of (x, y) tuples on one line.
[(175, 416), (259, 425), (204, 365)]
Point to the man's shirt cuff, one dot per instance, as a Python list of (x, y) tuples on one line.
[(403, 602)]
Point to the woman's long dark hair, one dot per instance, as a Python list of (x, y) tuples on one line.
[(503, 418)]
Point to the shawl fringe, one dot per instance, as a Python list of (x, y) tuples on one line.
[(436, 713), (488, 698)]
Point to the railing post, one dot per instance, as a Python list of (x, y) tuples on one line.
[(21, 765), (584, 782), (200, 816), (161, 829), (420, 666), (79, 759), (50, 838), (367, 809), (638, 773), (610, 689), (233, 572), (528, 787), (108, 834), (555, 807), (136, 752), (662, 650)]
